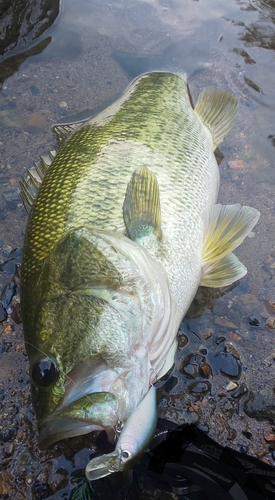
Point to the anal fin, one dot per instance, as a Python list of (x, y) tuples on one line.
[(141, 208), (226, 226)]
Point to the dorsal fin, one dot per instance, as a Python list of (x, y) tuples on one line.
[(64, 130), (29, 186), (217, 110), (141, 208)]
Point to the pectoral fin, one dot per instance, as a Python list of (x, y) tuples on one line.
[(217, 110), (226, 226), (141, 208)]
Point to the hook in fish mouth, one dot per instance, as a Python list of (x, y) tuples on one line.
[(134, 439)]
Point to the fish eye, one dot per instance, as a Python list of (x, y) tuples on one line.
[(44, 372)]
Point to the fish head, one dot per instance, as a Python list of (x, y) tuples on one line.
[(90, 364)]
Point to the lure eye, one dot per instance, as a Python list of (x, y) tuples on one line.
[(44, 372), (125, 455)]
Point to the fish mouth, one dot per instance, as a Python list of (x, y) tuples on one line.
[(98, 413)]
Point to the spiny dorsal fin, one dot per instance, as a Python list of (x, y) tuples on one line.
[(226, 226), (64, 130), (141, 208), (217, 110), (29, 186)]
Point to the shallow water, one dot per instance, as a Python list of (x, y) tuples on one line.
[(92, 51)]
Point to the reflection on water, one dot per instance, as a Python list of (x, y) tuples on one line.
[(81, 62), (22, 25), (260, 33)]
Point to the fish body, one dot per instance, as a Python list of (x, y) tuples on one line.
[(122, 229)]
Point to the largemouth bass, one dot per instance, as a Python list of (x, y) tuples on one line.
[(123, 228)]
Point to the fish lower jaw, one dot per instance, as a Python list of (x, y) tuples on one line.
[(53, 430)]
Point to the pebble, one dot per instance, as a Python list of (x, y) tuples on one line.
[(219, 340), (225, 322), (232, 434), (199, 387), (248, 298), (262, 451), (247, 434), (270, 306), (63, 105), (269, 438), (230, 348), (206, 334), (231, 386), (253, 321), (205, 370), (270, 322), (36, 120), (243, 448), (236, 164), (3, 314), (234, 337), (34, 90), (182, 341)]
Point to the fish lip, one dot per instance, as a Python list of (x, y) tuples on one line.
[(55, 429)]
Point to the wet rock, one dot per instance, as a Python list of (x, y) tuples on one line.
[(191, 365), (270, 322), (241, 391), (170, 384), (199, 387), (225, 363), (256, 406), (58, 479), (7, 294), (227, 408)]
